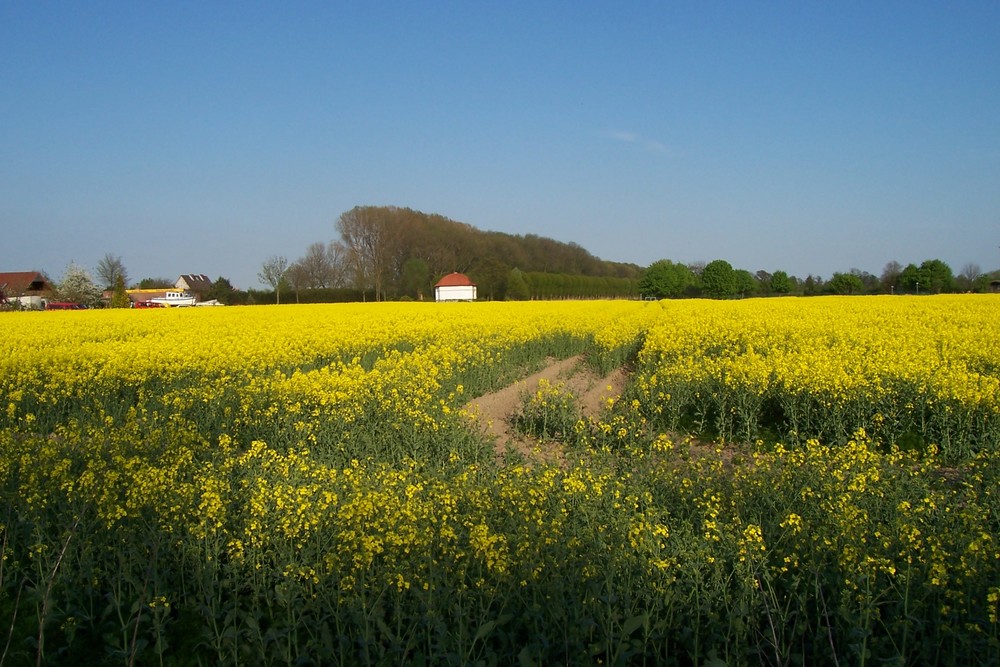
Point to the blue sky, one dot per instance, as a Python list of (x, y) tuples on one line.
[(203, 137)]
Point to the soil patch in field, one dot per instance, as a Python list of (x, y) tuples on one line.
[(495, 412)]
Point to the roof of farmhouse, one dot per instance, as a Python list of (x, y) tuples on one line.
[(14, 283), (195, 281), (455, 280)]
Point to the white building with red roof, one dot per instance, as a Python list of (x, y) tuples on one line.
[(455, 287)]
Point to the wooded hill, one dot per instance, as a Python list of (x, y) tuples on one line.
[(399, 252)]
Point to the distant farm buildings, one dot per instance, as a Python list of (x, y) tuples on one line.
[(195, 283), (30, 289), (188, 290), (455, 287)]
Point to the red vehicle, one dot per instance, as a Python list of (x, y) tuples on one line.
[(147, 304)]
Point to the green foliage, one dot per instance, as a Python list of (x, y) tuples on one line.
[(665, 279), (936, 276), (550, 412), (780, 283), (223, 291), (745, 283), (517, 286), (718, 279), (933, 276), (155, 283), (548, 286), (119, 299), (490, 275), (153, 527), (811, 286), (416, 280), (319, 295), (846, 283)]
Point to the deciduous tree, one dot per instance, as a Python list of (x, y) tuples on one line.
[(665, 279), (373, 240), (517, 286), (78, 286), (745, 283), (119, 299), (718, 279), (272, 272), (846, 283), (416, 278), (780, 283), (890, 278), (936, 276), (109, 269), (323, 265)]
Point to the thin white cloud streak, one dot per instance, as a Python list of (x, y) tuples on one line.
[(651, 145)]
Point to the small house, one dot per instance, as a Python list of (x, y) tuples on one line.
[(29, 288), (455, 287), (196, 283)]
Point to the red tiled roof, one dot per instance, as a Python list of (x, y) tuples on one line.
[(455, 280), (17, 283)]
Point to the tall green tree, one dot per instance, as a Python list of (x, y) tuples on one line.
[(933, 276), (780, 283), (718, 279), (746, 285), (490, 275), (222, 291), (416, 278), (811, 285), (517, 286), (846, 283), (119, 298), (936, 276), (663, 279), (910, 279)]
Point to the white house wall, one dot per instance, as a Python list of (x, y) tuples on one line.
[(455, 293)]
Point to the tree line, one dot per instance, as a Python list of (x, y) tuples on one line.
[(718, 279), (387, 252), (399, 253)]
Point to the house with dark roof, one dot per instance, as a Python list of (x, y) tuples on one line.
[(29, 288), (196, 283), (455, 287)]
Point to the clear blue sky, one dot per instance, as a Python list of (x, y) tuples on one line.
[(203, 137)]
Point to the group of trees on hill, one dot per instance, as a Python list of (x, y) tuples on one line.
[(400, 253)]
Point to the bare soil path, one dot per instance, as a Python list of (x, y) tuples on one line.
[(495, 412)]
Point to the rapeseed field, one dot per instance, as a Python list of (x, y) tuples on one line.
[(782, 481)]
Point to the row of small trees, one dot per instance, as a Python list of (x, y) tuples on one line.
[(718, 279)]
